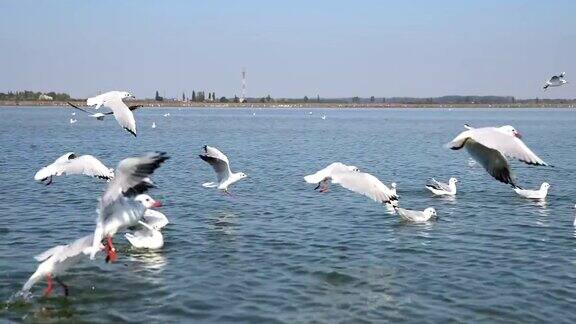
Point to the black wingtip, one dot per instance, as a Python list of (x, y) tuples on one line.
[(129, 131)]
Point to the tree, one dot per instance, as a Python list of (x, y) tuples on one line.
[(214, 96), (268, 98), (183, 97), (372, 99), (305, 98), (193, 95), (355, 99), (236, 99), (223, 99), (318, 98)]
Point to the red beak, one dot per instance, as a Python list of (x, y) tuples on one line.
[(157, 204), (518, 135)]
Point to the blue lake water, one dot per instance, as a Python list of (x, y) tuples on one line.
[(277, 251)]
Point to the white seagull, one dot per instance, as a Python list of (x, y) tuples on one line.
[(148, 237), (442, 189), (221, 165), (100, 116), (70, 163), (393, 188), (416, 216), (116, 209), (351, 178), (490, 146), (58, 259), (534, 194), (73, 121), (153, 124), (152, 217), (113, 100), (555, 81)]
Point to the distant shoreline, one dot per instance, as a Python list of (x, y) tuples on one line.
[(189, 104)]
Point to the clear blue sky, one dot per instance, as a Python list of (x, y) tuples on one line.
[(289, 48)]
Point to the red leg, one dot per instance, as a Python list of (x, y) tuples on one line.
[(48, 290), (112, 256)]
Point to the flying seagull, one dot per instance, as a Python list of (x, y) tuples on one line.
[(351, 178), (70, 163), (113, 100), (442, 189), (100, 116), (117, 208), (491, 146), (555, 81), (221, 165), (58, 259)]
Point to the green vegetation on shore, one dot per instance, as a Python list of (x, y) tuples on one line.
[(32, 96)]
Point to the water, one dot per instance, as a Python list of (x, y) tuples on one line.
[(277, 251)]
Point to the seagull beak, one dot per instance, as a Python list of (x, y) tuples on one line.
[(518, 135), (156, 204)]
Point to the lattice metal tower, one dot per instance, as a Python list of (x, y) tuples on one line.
[(243, 94)]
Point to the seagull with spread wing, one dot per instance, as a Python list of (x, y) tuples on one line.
[(100, 116), (491, 146), (58, 260), (221, 165), (351, 178), (555, 81), (70, 163), (113, 100), (117, 208)]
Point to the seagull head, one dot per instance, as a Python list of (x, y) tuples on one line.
[(510, 130), (242, 175), (125, 94), (545, 185), (393, 185), (353, 168), (453, 181), (147, 201), (430, 212)]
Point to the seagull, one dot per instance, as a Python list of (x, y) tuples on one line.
[(70, 163), (351, 178), (116, 208), (113, 100), (443, 189), (58, 259), (167, 115), (491, 146), (555, 81), (73, 121), (323, 117), (534, 194), (416, 216), (221, 165), (151, 216), (148, 237), (153, 124), (100, 116)]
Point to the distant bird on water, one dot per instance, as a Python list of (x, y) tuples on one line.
[(490, 146), (534, 194), (70, 163), (442, 189), (113, 100), (221, 165), (416, 216), (555, 81)]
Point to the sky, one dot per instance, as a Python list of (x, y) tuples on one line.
[(289, 48)]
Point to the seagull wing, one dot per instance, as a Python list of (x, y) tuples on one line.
[(492, 160), (74, 106), (409, 215), (365, 184), (218, 161), (88, 165), (132, 108), (326, 172), (123, 114), (439, 185), (509, 146)]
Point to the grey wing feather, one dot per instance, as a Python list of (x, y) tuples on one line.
[(510, 146), (492, 160), (365, 184)]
